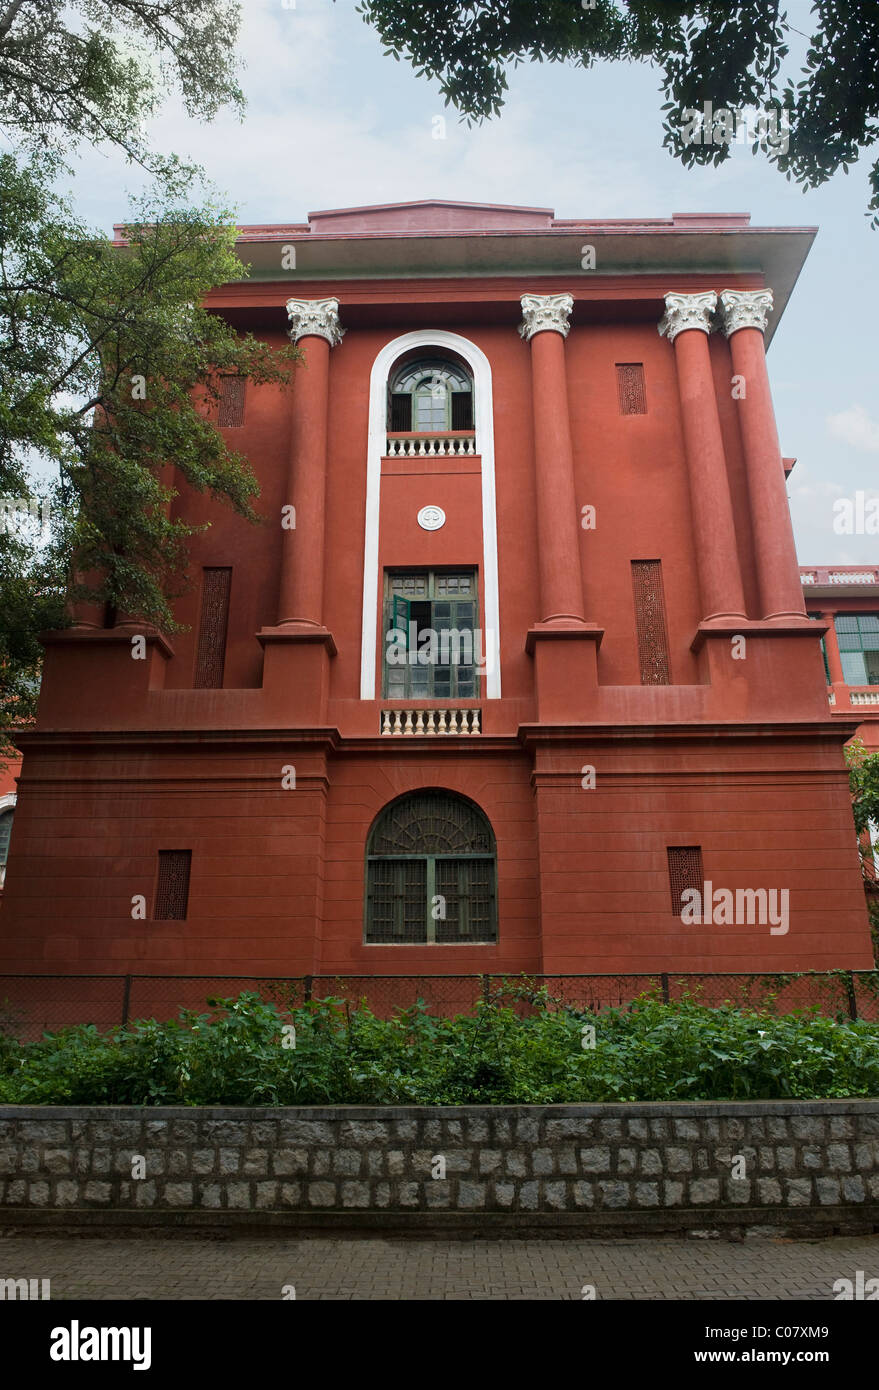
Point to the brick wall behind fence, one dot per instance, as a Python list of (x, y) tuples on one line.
[(651, 1166)]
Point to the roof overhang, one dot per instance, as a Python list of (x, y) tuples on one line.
[(674, 249)]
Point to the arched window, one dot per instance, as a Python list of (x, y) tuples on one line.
[(431, 872), (433, 395)]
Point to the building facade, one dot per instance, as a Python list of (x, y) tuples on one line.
[(518, 657)]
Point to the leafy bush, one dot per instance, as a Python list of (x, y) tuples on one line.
[(527, 1050)]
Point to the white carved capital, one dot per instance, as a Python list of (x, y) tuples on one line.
[(687, 311), (544, 313), (745, 309), (318, 318)]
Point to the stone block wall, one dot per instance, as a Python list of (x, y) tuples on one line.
[(650, 1166)]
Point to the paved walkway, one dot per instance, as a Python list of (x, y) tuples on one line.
[(190, 1266)]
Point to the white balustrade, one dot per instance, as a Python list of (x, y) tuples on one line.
[(402, 723), (430, 446), (864, 697), (841, 577)]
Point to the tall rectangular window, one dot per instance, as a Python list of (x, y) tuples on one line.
[(650, 622), (211, 653), (684, 871), (858, 637), (172, 885), (630, 387), (231, 413), (431, 639)]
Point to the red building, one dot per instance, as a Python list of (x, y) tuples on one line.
[(520, 654)]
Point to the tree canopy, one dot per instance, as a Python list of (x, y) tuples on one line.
[(95, 70), (109, 364), (733, 55)]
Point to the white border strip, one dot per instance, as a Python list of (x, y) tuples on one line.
[(484, 419)]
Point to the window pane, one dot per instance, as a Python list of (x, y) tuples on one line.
[(853, 668), (430, 412), (846, 622), (408, 585)]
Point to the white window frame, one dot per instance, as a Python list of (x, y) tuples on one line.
[(483, 419)]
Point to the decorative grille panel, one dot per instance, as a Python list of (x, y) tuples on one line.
[(211, 655), (684, 871), (431, 824), (467, 885), (232, 390), (172, 889), (630, 385), (650, 622), (397, 900)]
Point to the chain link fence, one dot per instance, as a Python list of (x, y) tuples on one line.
[(33, 1004)]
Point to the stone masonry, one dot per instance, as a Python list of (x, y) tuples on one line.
[(640, 1166)]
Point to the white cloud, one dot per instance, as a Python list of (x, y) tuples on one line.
[(856, 427)]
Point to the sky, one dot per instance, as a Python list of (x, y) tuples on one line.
[(332, 122)]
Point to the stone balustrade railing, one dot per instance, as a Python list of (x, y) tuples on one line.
[(451, 445), (854, 575), (431, 721)]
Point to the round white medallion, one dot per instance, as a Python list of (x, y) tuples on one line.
[(431, 518)]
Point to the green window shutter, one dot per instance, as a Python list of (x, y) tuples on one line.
[(400, 617), (462, 410), (401, 413)]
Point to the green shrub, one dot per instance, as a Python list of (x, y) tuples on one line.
[(235, 1055)]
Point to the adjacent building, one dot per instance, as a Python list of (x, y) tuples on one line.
[(845, 598)]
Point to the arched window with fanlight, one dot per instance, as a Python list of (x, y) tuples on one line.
[(431, 872), (431, 395)]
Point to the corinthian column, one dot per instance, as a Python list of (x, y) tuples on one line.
[(546, 327), (314, 323), (687, 324), (744, 314)]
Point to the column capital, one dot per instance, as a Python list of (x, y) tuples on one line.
[(744, 309), (545, 313), (684, 311), (318, 318)]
